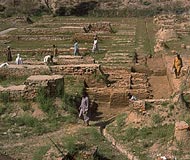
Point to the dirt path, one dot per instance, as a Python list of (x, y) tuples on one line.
[(159, 82), (7, 30), (160, 87)]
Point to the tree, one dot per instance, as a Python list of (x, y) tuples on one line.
[(47, 3)]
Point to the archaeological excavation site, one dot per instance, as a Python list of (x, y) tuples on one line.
[(121, 54)]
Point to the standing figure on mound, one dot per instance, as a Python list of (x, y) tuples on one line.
[(76, 48), (95, 45), (84, 108), (18, 59), (177, 65), (55, 50), (9, 54), (48, 60)]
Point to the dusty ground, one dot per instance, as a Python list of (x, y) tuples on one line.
[(158, 83), (29, 145)]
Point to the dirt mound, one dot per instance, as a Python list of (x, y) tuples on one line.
[(166, 34)]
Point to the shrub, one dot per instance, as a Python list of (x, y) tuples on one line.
[(2, 8), (70, 103), (46, 103), (146, 3), (171, 107), (156, 119), (148, 105), (70, 144), (130, 134), (165, 104), (61, 11), (26, 107), (4, 97), (26, 120), (2, 109), (40, 152), (120, 120)]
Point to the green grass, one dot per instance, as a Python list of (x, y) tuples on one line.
[(145, 32), (12, 80), (26, 120), (165, 104), (139, 140), (157, 119), (4, 97), (120, 121), (2, 109), (90, 137), (46, 103), (40, 152)]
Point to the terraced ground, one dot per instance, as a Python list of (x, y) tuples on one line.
[(146, 79)]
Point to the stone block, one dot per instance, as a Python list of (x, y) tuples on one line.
[(53, 85), (182, 133), (118, 99)]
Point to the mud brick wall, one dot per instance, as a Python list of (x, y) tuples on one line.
[(142, 93), (100, 27), (14, 93), (34, 52), (53, 85), (119, 99), (24, 71), (83, 69), (47, 31), (89, 37), (65, 60), (99, 94)]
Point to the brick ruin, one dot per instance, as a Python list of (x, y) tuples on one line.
[(125, 75), (110, 79), (52, 85)]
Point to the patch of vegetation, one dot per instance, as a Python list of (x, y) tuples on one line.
[(121, 120), (26, 120), (146, 3), (186, 97), (171, 107), (12, 80), (130, 134), (90, 137), (46, 103), (188, 120), (2, 109), (139, 140), (165, 104), (26, 107), (40, 152), (4, 97), (157, 119), (70, 144), (145, 30), (148, 105)]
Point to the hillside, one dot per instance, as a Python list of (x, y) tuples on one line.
[(94, 7)]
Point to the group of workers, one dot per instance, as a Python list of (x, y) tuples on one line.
[(84, 107), (10, 58), (48, 59), (95, 47)]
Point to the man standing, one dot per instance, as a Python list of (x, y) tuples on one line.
[(9, 54), (18, 59), (95, 45), (84, 108), (76, 48), (177, 65), (55, 51)]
